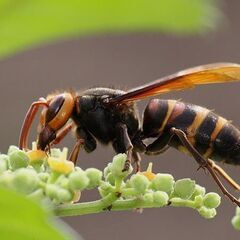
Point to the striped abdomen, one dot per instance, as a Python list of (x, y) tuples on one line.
[(213, 136)]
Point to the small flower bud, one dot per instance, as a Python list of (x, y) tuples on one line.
[(6, 179), (160, 198), (198, 201), (37, 195), (94, 175), (12, 149), (64, 183), (211, 200), (110, 178), (78, 180), (105, 188), (207, 212), (18, 159), (106, 170), (199, 191), (3, 166), (148, 197), (52, 190), (163, 182), (117, 166), (64, 195), (4, 158), (139, 182), (25, 180), (184, 188), (236, 222), (43, 176)]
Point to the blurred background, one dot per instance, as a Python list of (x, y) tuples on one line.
[(127, 59)]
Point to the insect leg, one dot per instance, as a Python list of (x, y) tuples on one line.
[(90, 143), (223, 174), (203, 163), (160, 145), (123, 144), (76, 149), (137, 159), (62, 133), (28, 121), (84, 139)]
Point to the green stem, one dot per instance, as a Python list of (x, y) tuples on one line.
[(100, 206), (114, 205), (184, 203), (87, 207), (118, 183)]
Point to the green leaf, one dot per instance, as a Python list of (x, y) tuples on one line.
[(22, 218), (27, 23)]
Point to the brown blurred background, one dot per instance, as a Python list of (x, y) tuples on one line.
[(127, 61)]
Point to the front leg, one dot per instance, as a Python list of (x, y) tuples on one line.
[(62, 133), (32, 111), (75, 151), (90, 143), (123, 144), (85, 139)]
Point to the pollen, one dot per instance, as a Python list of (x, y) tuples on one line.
[(36, 155), (148, 173), (61, 166)]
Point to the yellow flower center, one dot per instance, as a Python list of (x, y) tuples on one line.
[(61, 166), (149, 174), (36, 156)]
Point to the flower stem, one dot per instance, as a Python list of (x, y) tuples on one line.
[(87, 207), (100, 206)]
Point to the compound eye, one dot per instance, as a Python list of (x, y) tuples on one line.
[(59, 111), (54, 107)]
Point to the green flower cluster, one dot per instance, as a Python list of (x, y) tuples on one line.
[(236, 219), (52, 178), (157, 190), (45, 178)]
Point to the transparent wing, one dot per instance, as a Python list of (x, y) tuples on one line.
[(189, 78)]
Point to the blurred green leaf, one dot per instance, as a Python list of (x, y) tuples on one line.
[(27, 23), (22, 219)]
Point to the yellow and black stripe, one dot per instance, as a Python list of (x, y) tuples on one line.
[(156, 115), (213, 136)]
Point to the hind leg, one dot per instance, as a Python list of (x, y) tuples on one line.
[(160, 145), (224, 175), (206, 164)]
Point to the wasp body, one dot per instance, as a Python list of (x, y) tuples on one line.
[(212, 136), (110, 116)]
